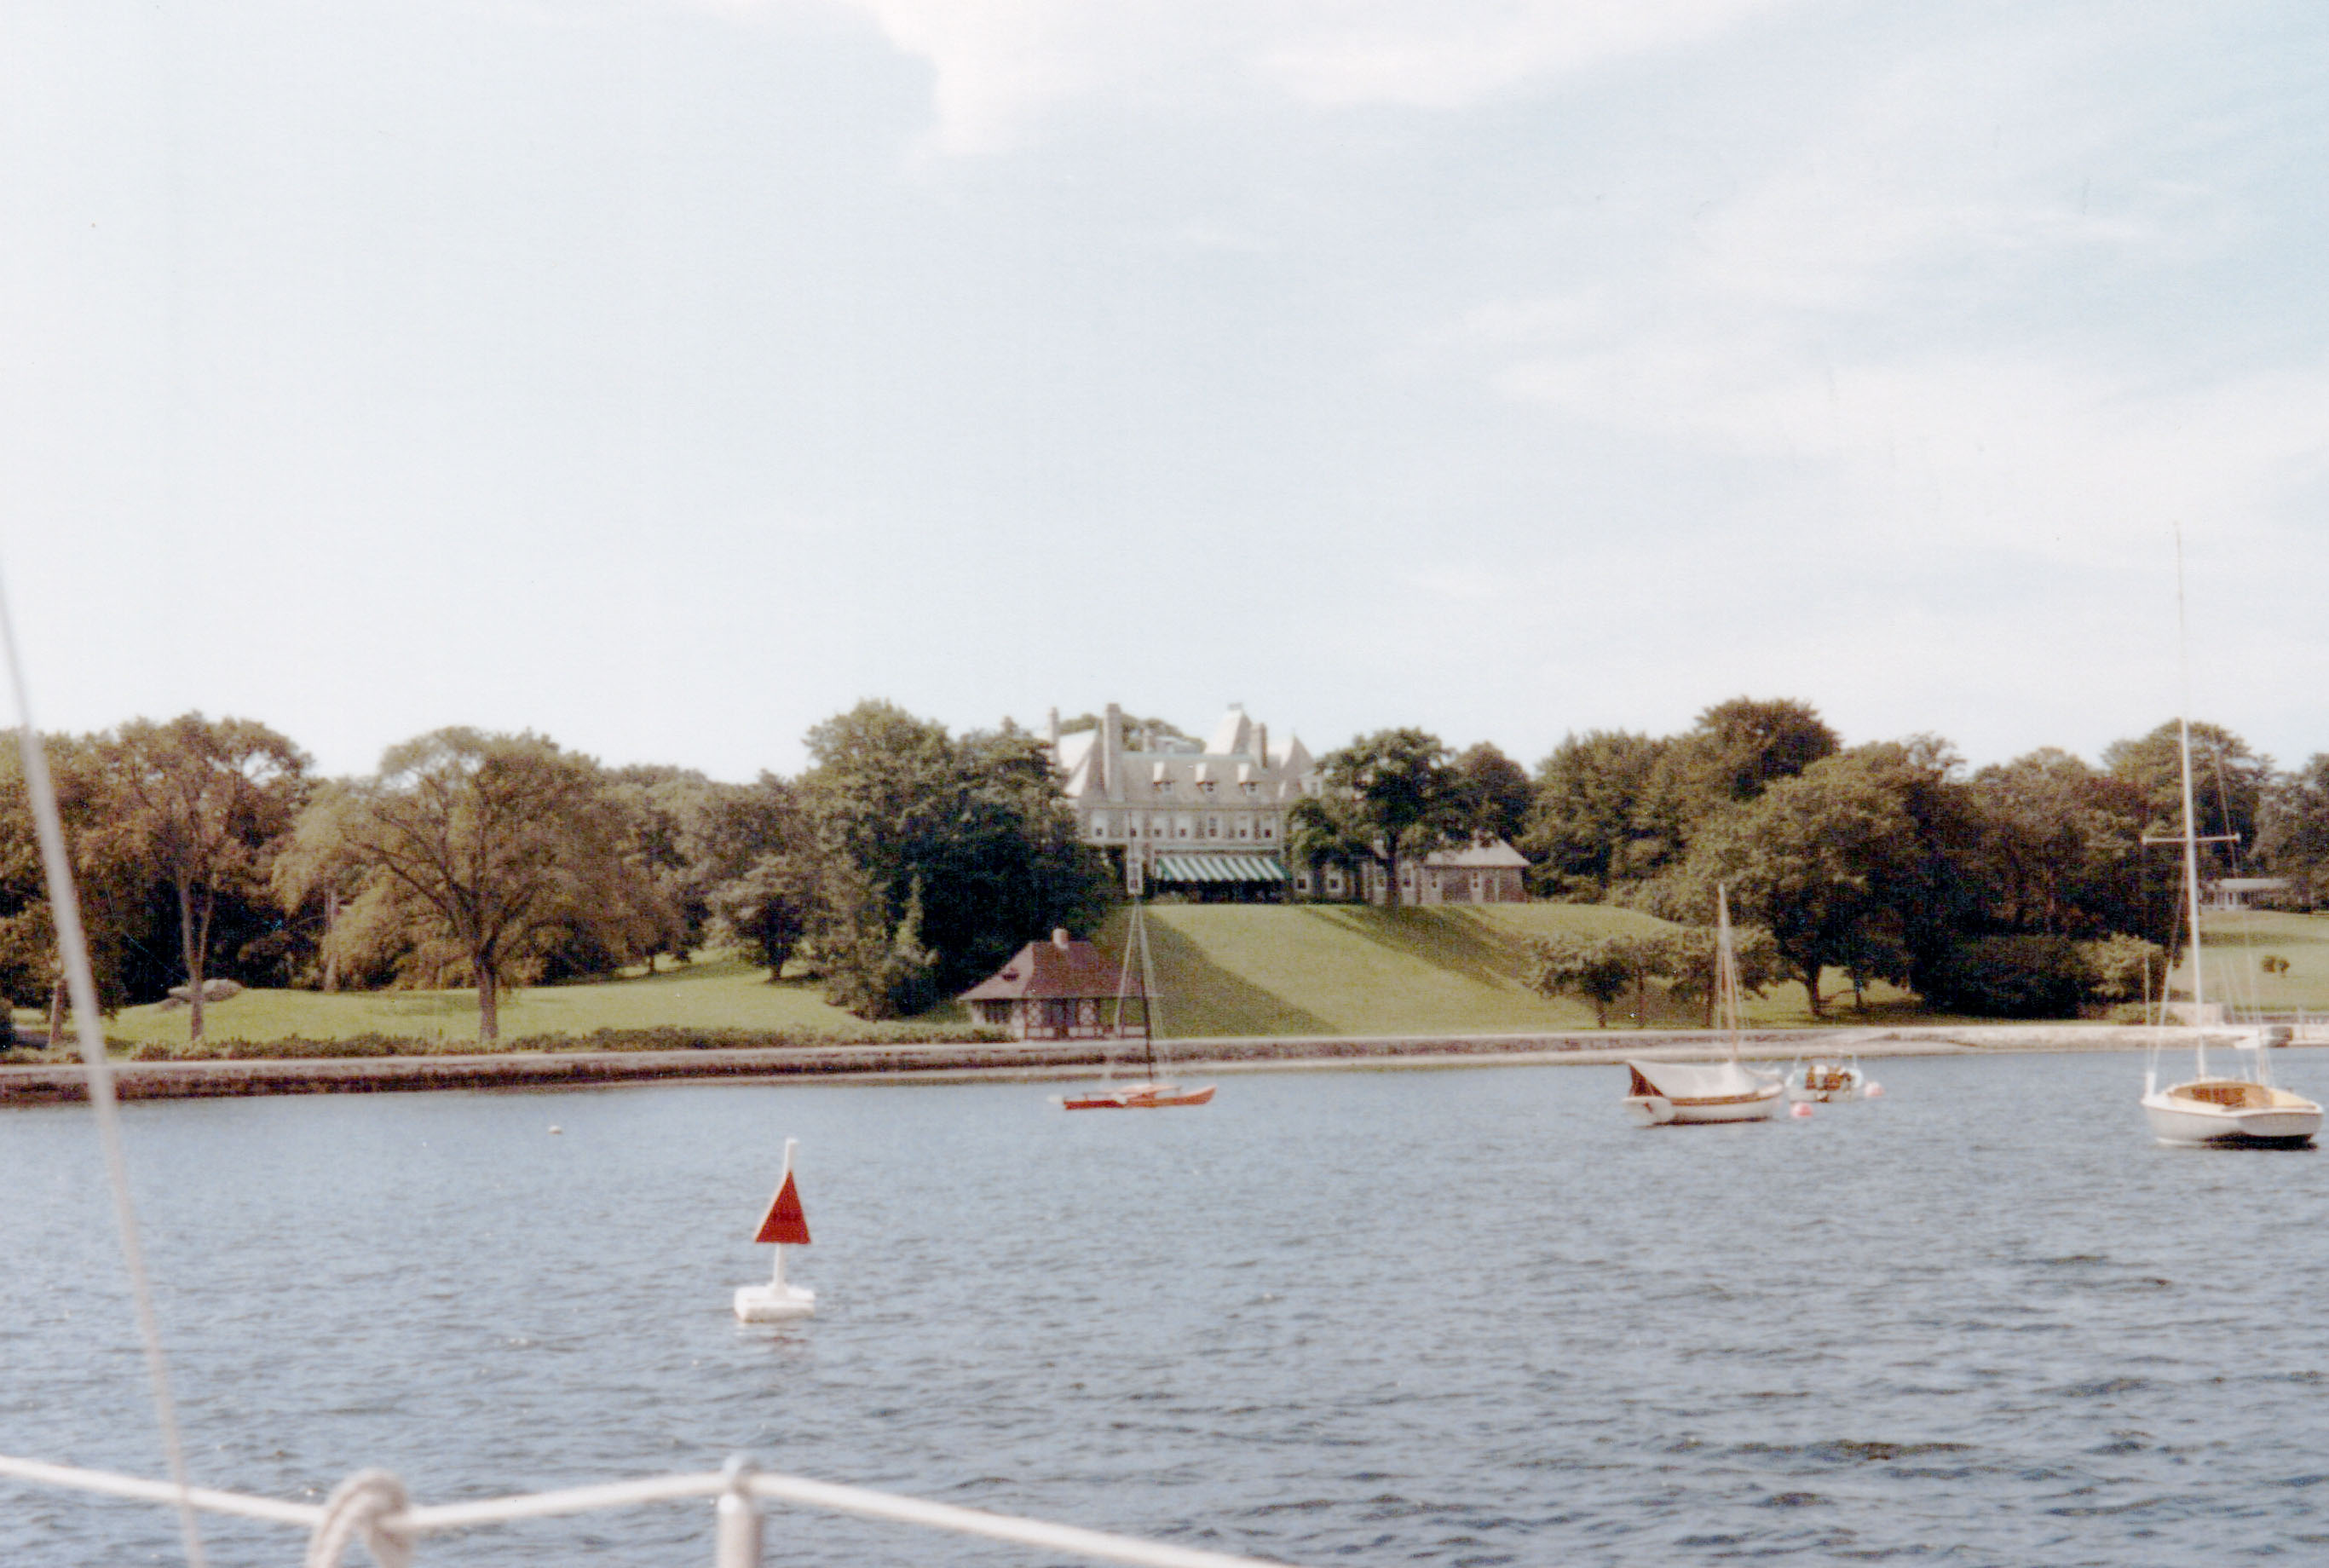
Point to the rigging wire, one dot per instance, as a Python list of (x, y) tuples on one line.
[(81, 984)]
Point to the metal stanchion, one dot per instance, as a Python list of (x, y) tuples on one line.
[(737, 1538)]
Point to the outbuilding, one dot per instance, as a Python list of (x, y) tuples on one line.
[(1063, 989)]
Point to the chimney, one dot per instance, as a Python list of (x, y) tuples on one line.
[(1111, 752), (1261, 744), (1052, 729)]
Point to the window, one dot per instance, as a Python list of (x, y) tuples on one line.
[(1099, 824), (1212, 828), (1268, 828)]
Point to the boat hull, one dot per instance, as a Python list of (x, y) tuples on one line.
[(1139, 1097), (2194, 1124), (1662, 1110)]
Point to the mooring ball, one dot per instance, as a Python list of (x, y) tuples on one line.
[(1800, 1108)]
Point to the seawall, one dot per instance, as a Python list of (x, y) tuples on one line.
[(944, 1062)]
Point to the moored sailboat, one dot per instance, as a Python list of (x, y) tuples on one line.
[(1698, 1093), (2213, 1109), (1152, 1092)]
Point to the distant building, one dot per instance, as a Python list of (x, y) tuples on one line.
[(1491, 873), (1207, 822), (1061, 989), (2234, 892)]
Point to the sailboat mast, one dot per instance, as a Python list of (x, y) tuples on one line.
[(1726, 967), (2190, 817), (1148, 992)]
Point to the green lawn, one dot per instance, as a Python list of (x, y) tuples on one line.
[(1340, 969), (719, 993), (1221, 970), (2235, 946)]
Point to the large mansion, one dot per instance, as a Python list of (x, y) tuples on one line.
[(1208, 820)]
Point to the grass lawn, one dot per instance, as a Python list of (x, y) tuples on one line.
[(715, 993), (2235, 946), (1341, 970), (1220, 968)]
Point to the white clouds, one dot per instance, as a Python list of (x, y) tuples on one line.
[(1000, 64), (1862, 315)]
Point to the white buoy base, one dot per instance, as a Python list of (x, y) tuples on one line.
[(774, 1303)]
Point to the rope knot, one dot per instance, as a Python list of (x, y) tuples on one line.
[(361, 1507)]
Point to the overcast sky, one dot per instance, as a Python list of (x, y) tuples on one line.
[(666, 377)]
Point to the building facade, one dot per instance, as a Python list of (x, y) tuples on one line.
[(1206, 820)]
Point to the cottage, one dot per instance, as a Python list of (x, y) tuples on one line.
[(1062, 989)]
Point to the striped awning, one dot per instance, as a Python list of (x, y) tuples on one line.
[(1220, 868)]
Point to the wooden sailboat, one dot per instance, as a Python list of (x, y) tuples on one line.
[(1152, 1092), (2213, 1109), (1697, 1093)]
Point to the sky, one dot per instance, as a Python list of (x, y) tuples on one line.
[(664, 376)]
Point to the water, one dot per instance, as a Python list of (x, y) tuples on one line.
[(1462, 1317)]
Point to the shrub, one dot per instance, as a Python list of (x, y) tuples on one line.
[(2014, 976)]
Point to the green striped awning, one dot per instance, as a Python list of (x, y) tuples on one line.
[(1220, 868)]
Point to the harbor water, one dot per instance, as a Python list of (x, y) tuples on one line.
[(1460, 1317)]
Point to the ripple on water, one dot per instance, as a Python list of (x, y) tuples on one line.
[(1460, 1318)]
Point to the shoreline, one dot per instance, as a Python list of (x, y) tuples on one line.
[(1029, 1061)]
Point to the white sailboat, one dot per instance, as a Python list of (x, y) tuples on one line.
[(2211, 1109), (1697, 1093)]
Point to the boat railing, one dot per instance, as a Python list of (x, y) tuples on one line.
[(372, 1508)]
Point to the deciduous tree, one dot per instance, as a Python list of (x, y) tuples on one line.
[(204, 802), (480, 853), (1400, 791)]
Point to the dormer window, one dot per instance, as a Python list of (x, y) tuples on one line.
[(1206, 786)]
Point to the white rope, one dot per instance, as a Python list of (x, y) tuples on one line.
[(369, 1506), (64, 910), (139, 1488)]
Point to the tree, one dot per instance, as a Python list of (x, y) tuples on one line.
[(1401, 792), (477, 852), (752, 847), (1688, 959), (2228, 785), (2061, 849), (110, 883), (940, 856), (2293, 837), (1742, 747), (1497, 794), (1811, 859), (204, 802), (1599, 969), (1587, 816)]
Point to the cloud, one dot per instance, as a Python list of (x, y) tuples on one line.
[(1892, 316), (1000, 64)]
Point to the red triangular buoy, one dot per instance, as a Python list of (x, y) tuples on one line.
[(784, 1222)]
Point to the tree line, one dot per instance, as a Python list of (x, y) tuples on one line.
[(906, 863), (2024, 888), (903, 864)]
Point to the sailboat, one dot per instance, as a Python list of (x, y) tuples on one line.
[(1695, 1093), (1152, 1092), (2211, 1109)]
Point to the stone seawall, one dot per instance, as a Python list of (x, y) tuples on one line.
[(1028, 1060)]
